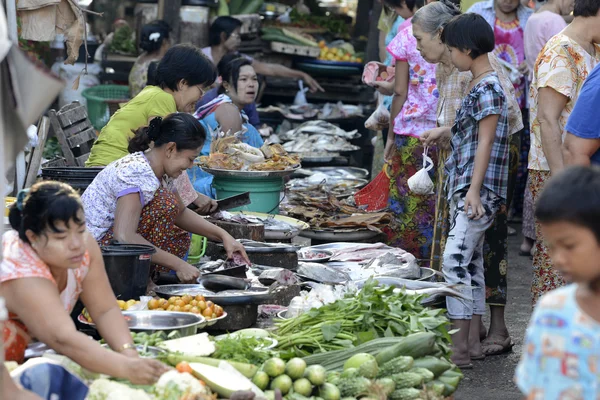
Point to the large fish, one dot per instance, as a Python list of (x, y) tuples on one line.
[(322, 273)]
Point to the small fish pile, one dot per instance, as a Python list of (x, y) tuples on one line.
[(229, 153)]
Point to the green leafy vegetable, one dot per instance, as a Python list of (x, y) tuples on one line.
[(249, 350)]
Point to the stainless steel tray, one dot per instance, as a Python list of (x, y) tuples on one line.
[(249, 174), (254, 295), (355, 172)]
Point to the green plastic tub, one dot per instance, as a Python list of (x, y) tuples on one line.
[(197, 249), (103, 101), (264, 192)]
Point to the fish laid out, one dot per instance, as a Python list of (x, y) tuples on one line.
[(364, 252), (389, 264), (321, 273), (309, 143), (319, 128)]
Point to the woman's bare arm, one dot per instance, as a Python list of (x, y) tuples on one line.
[(550, 107)]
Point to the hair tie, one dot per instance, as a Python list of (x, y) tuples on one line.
[(154, 36), (154, 128), (21, 198)]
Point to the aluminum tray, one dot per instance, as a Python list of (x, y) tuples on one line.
[(254, 295), (353, 172), (249, 174)]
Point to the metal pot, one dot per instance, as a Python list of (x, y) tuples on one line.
[(168, 321)]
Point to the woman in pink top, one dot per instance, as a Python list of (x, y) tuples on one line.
[(413, 112), (50, 261)]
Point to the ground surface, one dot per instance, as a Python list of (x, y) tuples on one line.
[(492, 379)]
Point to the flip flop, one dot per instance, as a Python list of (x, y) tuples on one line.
[(478, 358), (465, 366), (505, 346)]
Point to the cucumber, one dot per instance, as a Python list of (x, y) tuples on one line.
[(435, 365), (248, 370), (334, 360), (416, 345), (300, 38)]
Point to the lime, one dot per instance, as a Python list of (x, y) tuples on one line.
[(274, 367), (316, 374), (261, 380), (295, 368), (283, 383), (303, 387)]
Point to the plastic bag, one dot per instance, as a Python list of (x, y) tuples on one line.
[(420, 183), (380, 119), (300, 98)]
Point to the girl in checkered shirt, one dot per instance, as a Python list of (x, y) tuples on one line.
[(477, 171)]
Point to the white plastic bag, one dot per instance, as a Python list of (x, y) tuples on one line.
[(380, 119), (420, 183), (300, 98)]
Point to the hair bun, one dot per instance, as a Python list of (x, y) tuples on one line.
[(154, 128), (451, 4)]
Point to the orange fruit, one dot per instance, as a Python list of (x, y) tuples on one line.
[(173, 299), (187, 308), (209, 304), (195, 310), (202, 305), (176, 308), (153, 304), (194, 303), (208, 312), (170, 308), (199, 297), (186, 298), (179, 303)]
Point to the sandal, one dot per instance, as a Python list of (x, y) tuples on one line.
[(500, 347)]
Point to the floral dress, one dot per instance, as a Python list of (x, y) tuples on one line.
[(563, 65), (415, 214), (21, 261)]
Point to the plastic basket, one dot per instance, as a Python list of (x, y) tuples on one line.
[(376, 194), (103, 101), (197, 249)]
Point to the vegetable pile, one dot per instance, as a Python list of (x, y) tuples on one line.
[(373, 312)]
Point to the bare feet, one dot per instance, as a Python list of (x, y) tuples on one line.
[(460, 343)]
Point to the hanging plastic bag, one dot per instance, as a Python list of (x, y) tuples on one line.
[(300, 98), (380, 119), (420, 183)]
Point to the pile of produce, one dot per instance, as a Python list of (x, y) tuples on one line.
[(229, 153), (187, 303), (128, 305), (358, 318), (283, 35), (123, 42), (340, 51)]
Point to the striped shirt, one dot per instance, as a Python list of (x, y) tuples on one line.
[(485, 99)]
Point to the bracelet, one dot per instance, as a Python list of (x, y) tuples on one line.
[(126, 346)]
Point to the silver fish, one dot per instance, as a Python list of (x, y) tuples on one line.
[(322, 273)]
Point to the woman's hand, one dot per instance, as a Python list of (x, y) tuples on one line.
[(312, 84), (384, 87), (143, 371), (390, 149), (435, 136), (473, 201), (187, 273), (205, 204), (232, 247)]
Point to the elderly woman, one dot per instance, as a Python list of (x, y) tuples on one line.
[(560, 71), (452, 85)]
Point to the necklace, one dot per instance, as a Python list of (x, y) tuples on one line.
[(483, 73)]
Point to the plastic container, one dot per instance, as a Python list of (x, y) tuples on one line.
[(8, 201), (128, 269), (197, 249), (78, 177), (265, 193), (103, 101)]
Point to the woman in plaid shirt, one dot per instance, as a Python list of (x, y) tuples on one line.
[(477, 176)]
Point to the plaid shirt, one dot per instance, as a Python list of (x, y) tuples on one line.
[(452, 86), (485, 99)]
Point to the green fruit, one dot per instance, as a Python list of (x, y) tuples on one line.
[(369, 369), (270, 395), (316, 374), (303, 386), (387, 385), (329, 392), (283, 383), (261, 380), (295, 368), (274, 367), (349, 373), (333, 377), (357, 360)]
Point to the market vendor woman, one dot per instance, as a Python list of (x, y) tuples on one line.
[(132, 200), (226, 113), (49, 262)]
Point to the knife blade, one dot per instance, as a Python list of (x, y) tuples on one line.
[(238, 200)]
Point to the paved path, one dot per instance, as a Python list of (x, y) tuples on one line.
[(492, 379)]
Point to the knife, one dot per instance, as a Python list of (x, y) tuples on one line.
[(238, 200)]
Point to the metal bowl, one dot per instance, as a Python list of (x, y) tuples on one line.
[(168, 321), (211, 322), (146, 351), (282, 314)]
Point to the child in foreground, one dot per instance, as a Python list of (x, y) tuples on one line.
[(477, 180), (561, 354)]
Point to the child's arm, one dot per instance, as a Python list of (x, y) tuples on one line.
[(487, 134), (400, 94)]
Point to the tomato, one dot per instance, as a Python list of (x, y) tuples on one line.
[(184, 367)]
